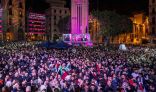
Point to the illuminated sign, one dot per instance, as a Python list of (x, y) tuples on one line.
[(76, 38), (36, 23), (1, 12)]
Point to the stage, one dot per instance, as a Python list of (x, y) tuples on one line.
[(77, 39)]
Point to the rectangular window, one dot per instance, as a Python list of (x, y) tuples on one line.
[(10, 11), (54, 11), (153, 20), (153, 1), (153, 10), (20, 13), (20, 5), (60, 11), (153, 30), (55, 23), (10, 2), (54, 17), (10, 21)]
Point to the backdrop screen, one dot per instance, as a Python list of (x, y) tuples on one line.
[(76, 37)]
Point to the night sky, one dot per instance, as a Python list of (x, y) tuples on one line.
[(120, 6)]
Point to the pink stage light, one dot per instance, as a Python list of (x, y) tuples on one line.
[(79, 22), (79, 17)]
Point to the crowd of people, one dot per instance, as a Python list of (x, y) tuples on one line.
[(28, 68)]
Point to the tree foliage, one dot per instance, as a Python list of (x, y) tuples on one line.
[(112, 24), (64, 24)]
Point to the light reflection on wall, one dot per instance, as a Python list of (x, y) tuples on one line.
[(79, 16)]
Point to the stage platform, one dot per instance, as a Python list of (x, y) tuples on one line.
[(77, 39)]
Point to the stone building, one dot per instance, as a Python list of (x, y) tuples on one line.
[(152, 19), (13, 16), (140, 32), (56, 11)]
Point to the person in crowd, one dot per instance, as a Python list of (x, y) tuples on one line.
[(25, 67)]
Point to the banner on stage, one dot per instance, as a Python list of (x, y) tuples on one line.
[(76, 37)]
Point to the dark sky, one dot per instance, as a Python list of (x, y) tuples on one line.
[(120, 6)]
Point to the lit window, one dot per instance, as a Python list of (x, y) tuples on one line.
[(20, 13)]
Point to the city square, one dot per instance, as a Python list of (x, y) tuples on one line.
[(77, 46)]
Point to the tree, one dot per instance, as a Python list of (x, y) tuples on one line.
[(112, 24), (64, 25)]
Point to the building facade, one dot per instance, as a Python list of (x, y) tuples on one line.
[(1, 21), (36, 26), (152, 19), (56, 11), (140, 33), (94, 26), (13, 16)]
